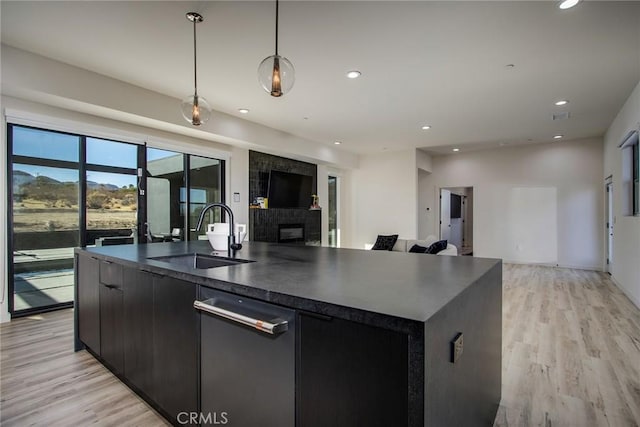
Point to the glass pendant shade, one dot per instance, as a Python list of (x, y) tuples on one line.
[(276, 75), (195, 109)]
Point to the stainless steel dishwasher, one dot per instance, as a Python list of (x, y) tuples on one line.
[(247, 361)]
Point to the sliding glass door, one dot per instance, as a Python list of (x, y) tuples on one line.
[(70, 190), (111, 192), (43, 216), (165, 178), (205, 186), (179, 186)]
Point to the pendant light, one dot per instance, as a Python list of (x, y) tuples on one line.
[(195, 109), (275, 72)]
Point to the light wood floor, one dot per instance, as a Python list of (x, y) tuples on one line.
[(571, 350), (44, 383), (571, 357)]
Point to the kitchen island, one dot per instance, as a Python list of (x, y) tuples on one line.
[(375, 338)]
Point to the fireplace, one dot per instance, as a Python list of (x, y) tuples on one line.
[(291, 233)]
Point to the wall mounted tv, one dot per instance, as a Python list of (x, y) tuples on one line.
[(289, 190)]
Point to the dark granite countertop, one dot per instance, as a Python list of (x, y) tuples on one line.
[(405, 286)]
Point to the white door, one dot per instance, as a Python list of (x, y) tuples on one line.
[(609, 226), (445, 214), (455, 233)]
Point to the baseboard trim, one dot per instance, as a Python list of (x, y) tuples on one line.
[(625, 292), (546, 264)]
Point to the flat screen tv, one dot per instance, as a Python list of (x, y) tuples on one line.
[(289, 190)]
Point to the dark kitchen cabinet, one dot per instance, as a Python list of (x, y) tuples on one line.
[(351, 374), (176, 331), (111, 316), (88, 302), (143, 326), (138, 330)]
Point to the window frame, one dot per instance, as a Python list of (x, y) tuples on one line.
[(82, 167), (635, 178), (630, 173)]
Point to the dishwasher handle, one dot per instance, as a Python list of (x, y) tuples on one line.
[(262, 325)]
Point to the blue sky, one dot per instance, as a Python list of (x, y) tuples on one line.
[(48, 145), (63, 175), (109, 153), (58, 146)]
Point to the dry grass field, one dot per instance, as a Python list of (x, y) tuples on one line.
[(35, 215)]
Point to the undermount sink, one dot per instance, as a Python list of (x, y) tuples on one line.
[(199, 261)]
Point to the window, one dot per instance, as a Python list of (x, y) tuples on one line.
[(68, 190), (111, 153), (43, 226), (171, 207), (111, 192), (636, 179), (630, 175)]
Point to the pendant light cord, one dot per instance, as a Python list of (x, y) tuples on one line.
[(195, 59), (277, 5)]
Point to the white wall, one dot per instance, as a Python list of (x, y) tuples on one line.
[(424, 163), (425, 206), (384, 197), (573, 169), (35, 78), (347, 209), (239, 183), (625, 269)]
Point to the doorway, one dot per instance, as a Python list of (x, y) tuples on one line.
[(609, 224), (334, 226), (456, 218)]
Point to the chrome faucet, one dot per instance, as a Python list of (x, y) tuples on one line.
[(231, 244)]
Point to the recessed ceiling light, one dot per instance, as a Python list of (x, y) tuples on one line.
[(557, 136), (562, 102), (568, 4), (354, 74), (337, 142), (456, 149), (243, 110), (426, 127)]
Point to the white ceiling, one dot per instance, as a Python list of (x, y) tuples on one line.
[(422, 62)]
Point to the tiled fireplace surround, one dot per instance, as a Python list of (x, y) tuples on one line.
[(280, 225)]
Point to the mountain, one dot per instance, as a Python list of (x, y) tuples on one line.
[(45, 180), (22, 178), (97, 186)]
